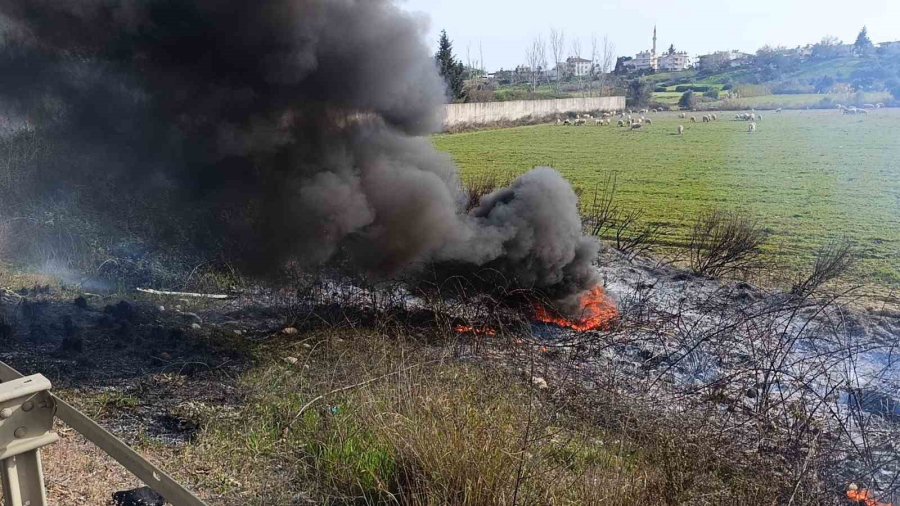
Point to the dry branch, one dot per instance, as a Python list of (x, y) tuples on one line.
[(185, 294)]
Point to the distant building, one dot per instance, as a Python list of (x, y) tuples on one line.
[(675, 62), (645, 60), (719, 59), (652, 61), (578, 67)]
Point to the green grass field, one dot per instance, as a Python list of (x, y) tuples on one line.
[(809, 176)]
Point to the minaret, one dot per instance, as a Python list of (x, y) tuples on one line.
[(654, 40)]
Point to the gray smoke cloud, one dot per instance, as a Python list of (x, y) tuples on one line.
[(290, 129)]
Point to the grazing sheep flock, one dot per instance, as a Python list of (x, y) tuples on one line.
[(852, 110), (635, 119)]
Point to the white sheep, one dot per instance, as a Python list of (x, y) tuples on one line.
[(693, 119), (682, 115), (778, 110), (706, 119), (680, 129), (713, 117), (620, 123), (647, 121), (752, 127)]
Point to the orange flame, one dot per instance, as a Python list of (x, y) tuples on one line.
[(863, 496), (597, 312), (478, 331)]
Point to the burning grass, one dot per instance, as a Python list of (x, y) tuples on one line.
[(596, 312)]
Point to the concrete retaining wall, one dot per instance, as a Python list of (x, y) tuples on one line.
[(484, 113)]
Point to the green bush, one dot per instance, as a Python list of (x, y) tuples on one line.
[(692, 87), (711, 93), (687, 100), (638, 93)]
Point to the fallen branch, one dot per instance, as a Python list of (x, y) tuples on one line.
[(185, 294)]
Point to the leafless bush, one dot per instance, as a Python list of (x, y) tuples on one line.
[(602, 217), (832, 261), (724, 243), (632, 236), (599, 214), (483, 184)]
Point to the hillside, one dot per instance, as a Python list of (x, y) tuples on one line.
[(787, 81)]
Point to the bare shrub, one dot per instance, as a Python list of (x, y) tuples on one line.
[(602, 217), (632, 236), (832, 261), (483, 184), (724, 243), (599, 214)]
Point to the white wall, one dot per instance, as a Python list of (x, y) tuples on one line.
[(485, 113)]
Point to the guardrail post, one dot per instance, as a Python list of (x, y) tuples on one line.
[(26, 422)]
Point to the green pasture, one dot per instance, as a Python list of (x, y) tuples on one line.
[(808, 176)]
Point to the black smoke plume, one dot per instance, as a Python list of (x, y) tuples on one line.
[(274, 132)]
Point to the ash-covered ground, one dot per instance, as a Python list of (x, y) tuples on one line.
[(786, 373)]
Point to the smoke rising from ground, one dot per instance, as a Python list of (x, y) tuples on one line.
[(286, 127)]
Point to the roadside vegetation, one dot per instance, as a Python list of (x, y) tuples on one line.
[(364, 417)]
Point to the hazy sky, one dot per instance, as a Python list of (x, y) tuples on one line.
[(504, 28)]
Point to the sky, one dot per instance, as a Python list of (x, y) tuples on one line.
[(503, 29)]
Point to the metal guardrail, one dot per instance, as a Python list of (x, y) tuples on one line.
[(27, 409)]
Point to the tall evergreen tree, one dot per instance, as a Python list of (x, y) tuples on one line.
[(863, 45), (450, 69)]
